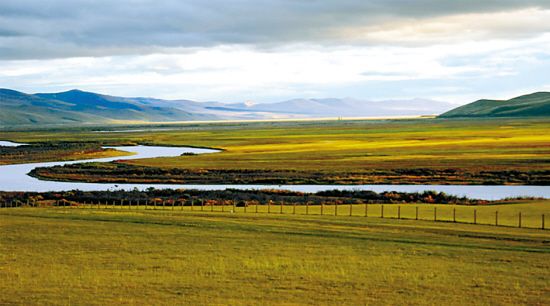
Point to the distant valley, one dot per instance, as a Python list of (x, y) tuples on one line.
[(80, 107), (76, 107)]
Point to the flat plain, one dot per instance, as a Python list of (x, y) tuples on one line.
[(79, 256), (422, 151)]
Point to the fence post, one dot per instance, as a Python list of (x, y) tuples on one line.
[(245, 205), (496, 218), (202, 205), (163, 204), (293, 208), (234, 206), (398, 212), (366, 210), (350, 210), (322, 207), (475, 216), (173, 203), (192, 205), (519, 219), (382, 211), (454, 215)]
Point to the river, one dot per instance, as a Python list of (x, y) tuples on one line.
[(15, 178)]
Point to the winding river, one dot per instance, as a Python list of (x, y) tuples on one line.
[(15, 178)]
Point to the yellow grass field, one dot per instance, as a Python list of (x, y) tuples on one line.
[(164, 257)]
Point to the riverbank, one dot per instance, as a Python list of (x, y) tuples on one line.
[(14, 153), (124, 173)]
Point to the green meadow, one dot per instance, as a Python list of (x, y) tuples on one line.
[(272, 254), (427, 151), (165, 257)]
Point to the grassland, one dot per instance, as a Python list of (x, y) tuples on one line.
[(428, 151), (55, 151), (89, 256)]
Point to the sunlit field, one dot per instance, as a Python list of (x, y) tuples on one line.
[(348, 152), (91, 256)]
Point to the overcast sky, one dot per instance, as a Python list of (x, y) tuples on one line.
[(267, 50)]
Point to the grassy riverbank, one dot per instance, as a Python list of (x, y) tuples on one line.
[(55, 151), (165, 257), (427, 151)]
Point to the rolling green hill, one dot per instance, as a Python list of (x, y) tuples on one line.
[(532, 105), (23, 109), (79, 107)]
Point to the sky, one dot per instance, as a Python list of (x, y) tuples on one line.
[(268, 51)]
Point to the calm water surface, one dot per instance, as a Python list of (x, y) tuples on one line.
[(15, 178)]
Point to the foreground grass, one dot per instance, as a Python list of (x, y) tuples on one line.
[(71, 256)]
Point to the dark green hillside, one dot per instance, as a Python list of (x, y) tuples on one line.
[(532, 105)]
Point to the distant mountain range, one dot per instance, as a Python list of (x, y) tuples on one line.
[(532, 105), (80, 107), (77, 107)]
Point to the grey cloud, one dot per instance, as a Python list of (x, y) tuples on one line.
[(53, 29)]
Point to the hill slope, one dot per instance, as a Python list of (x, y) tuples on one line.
[(536, 104), (23, 109), (77, 107)]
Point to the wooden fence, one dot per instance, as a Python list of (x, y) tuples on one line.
[(484, 215)]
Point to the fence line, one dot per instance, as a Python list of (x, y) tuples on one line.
[(521, 219)]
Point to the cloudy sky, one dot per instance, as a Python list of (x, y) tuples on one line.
[(271, 50)]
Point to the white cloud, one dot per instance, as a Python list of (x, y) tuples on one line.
[(451, 71), (523, 23)]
